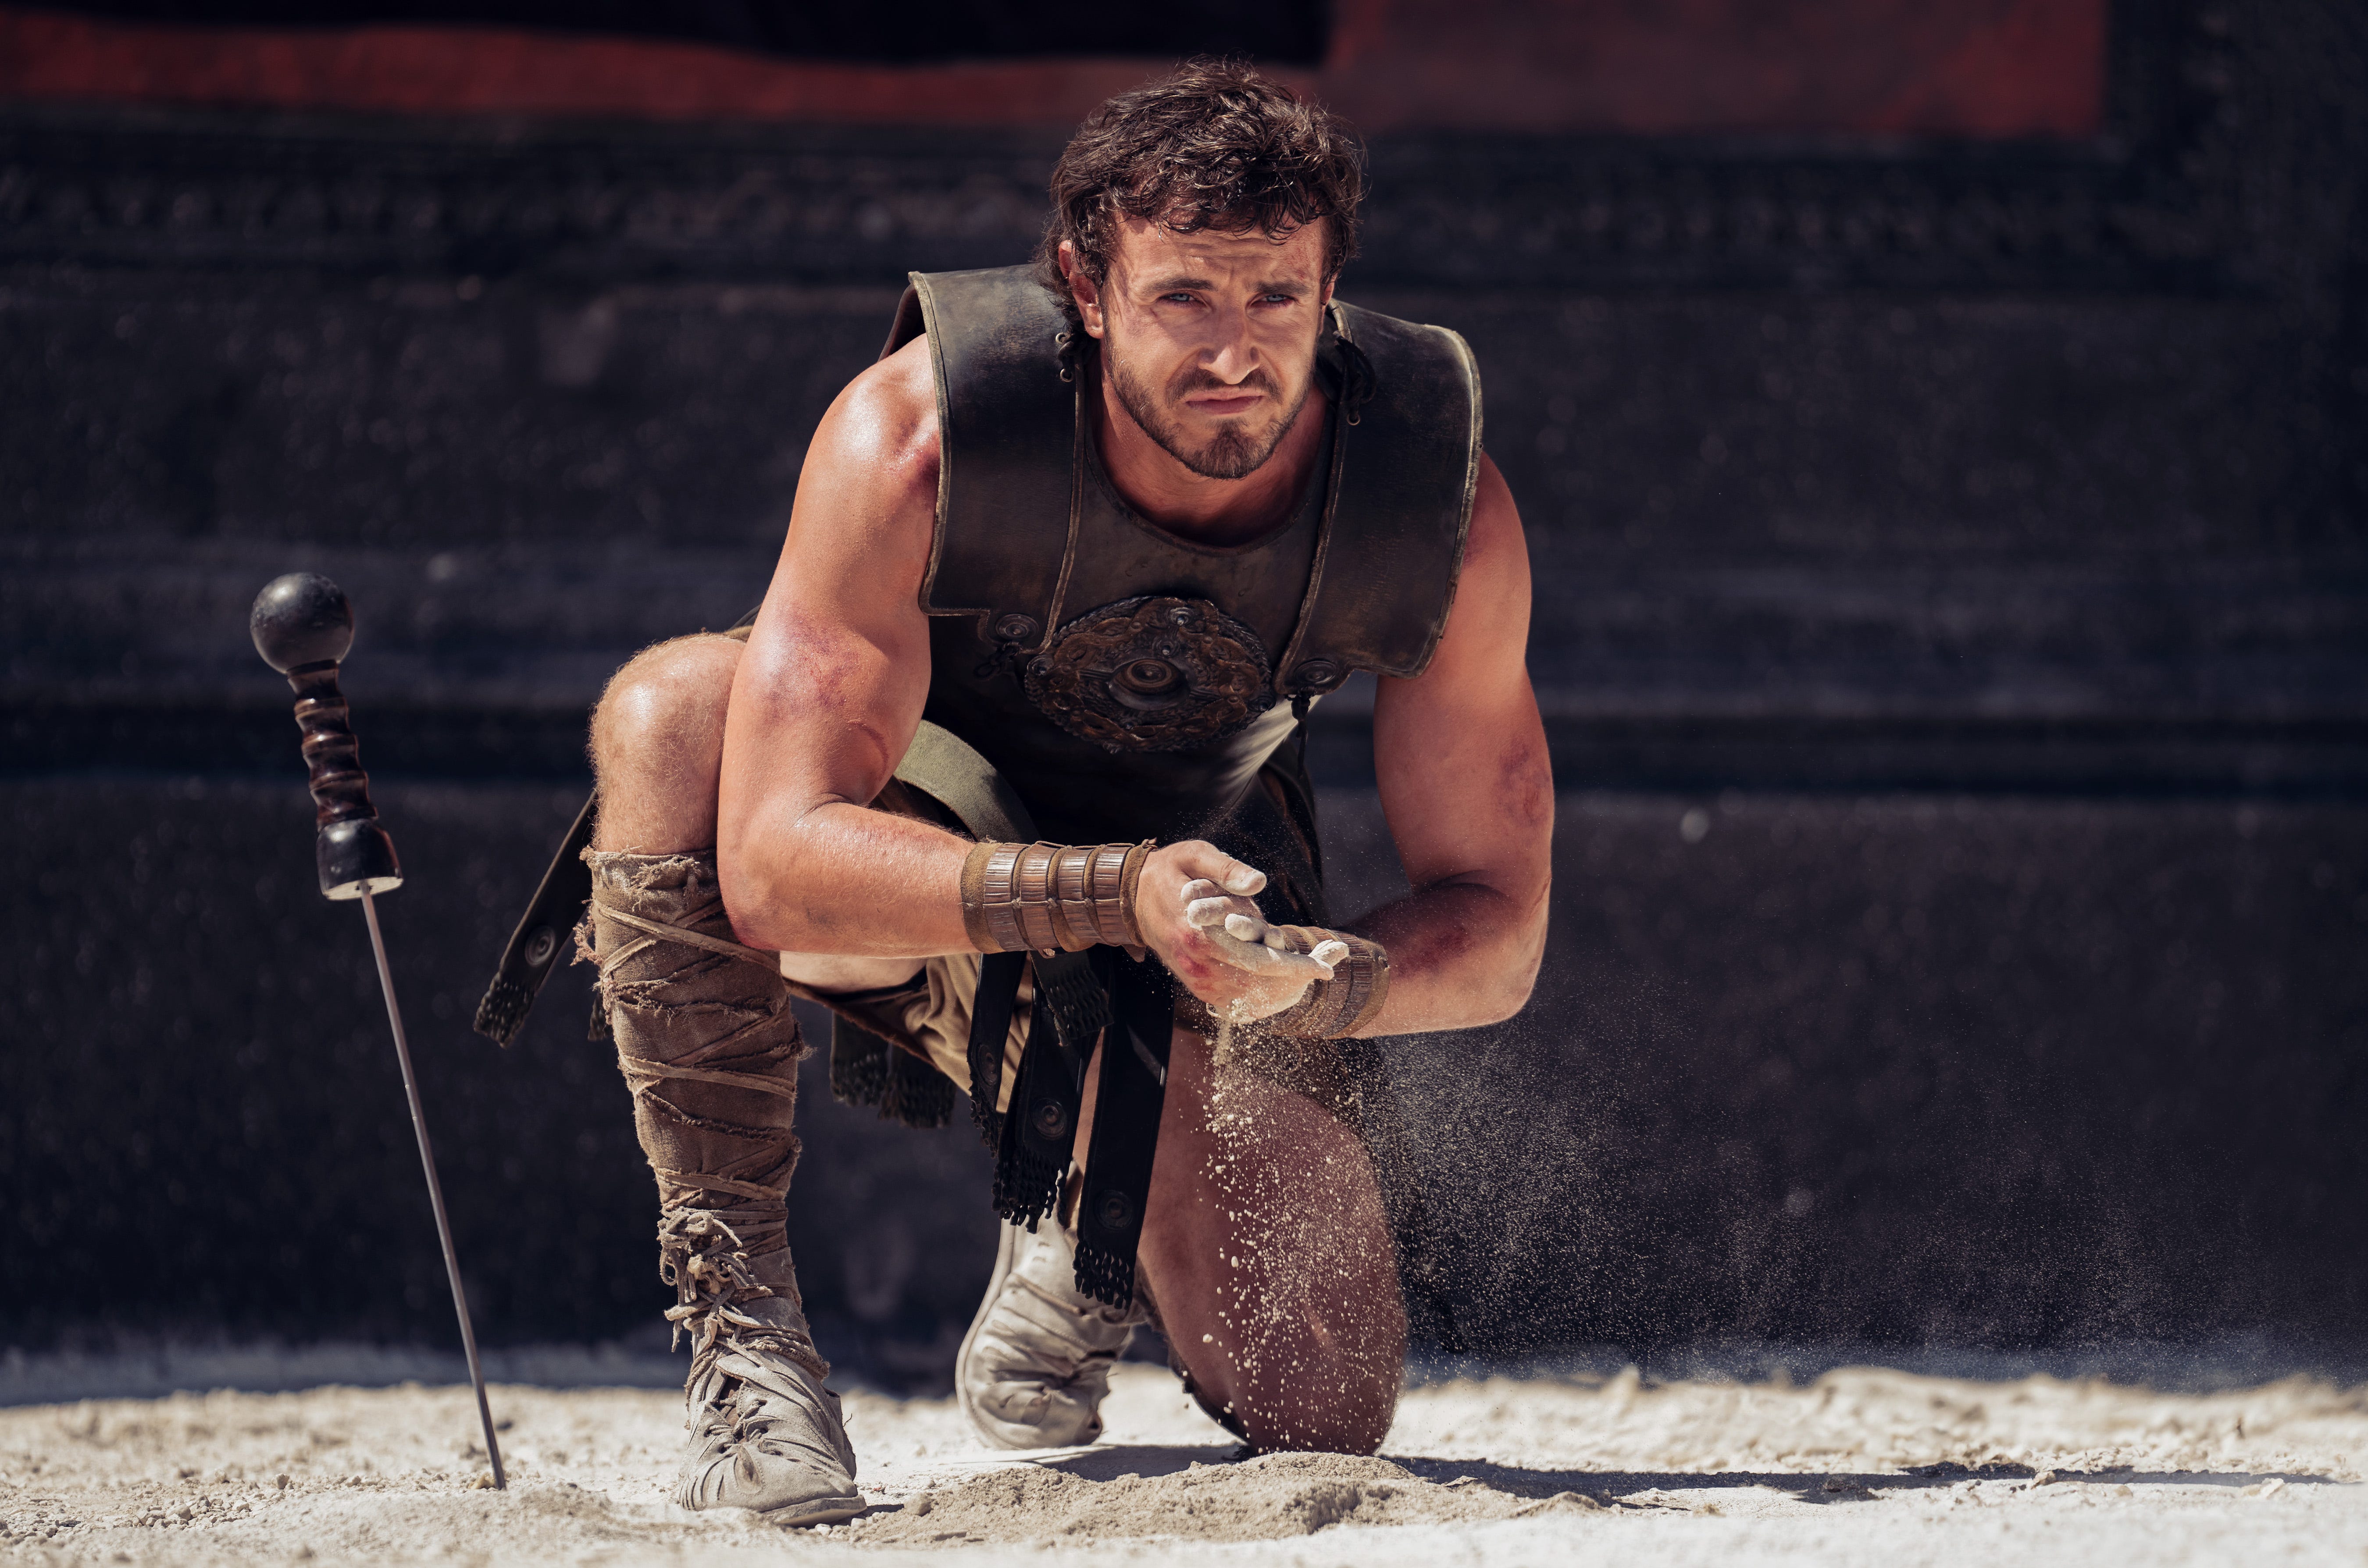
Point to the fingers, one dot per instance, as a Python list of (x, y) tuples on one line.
[(1219, 917), (1251, 928), (1262, 959), (1218, 904), (1249, 956), (1206, 904), (1315, 968), (1210, 864)]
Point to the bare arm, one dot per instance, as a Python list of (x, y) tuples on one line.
[(829, 692), (1466, 784)]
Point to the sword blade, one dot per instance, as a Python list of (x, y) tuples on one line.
[(435, 1188)]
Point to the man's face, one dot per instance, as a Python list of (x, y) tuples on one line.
[(1208, 339)]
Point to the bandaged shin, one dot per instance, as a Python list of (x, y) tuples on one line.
[(710, 1049)]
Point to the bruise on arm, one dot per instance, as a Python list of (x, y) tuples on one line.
[(1475, 840), (829, 693), (1524, 780)]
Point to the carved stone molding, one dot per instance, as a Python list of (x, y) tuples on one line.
[(620, 203)]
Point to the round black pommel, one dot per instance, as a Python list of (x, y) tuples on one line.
[(301, 619)]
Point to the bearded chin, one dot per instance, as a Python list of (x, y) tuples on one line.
[(1231, 453)]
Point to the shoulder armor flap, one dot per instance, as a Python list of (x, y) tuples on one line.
[(1409, 461), (1007, 470)]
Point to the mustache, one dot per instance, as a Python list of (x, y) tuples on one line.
[(1192, 381)]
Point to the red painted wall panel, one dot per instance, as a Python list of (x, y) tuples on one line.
[(1978, 68), (1945, 67)]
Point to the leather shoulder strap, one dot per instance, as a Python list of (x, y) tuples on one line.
[(1008, 464), (949, 770), (1406, 462)]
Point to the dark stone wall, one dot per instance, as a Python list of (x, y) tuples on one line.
[(1923, 1071), (1951, 623), (205, 1082)]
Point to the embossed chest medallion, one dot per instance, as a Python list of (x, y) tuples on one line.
[(1152, 674)]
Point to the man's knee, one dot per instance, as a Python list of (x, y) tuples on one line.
[(665, 701), (1352, 1416), (657, 746)]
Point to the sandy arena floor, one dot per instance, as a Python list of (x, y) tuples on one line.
[(1862, 1467)]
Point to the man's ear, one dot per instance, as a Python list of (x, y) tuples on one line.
[(1082, 290)]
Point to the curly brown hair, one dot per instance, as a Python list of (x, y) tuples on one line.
[(1212, 145)]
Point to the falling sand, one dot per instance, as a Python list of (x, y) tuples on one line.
[(1862, 1466)]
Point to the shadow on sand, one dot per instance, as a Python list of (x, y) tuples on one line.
[(1152, 1459)]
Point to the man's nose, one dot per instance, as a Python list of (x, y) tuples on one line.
[(1231, 355)]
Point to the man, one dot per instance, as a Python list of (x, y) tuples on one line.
[(1071, 563)]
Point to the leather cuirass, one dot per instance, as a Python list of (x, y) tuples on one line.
[(1128, 682)]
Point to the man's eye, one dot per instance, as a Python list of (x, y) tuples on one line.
[(1176, 298)]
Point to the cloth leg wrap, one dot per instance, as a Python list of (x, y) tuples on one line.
[(710, 1050)]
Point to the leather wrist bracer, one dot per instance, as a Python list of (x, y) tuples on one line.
[(1337, 1007), (1048, 897)]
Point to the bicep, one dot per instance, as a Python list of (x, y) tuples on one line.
[(1459, 751), (830, 689)]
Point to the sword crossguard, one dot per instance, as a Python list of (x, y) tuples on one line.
[(303, 627)]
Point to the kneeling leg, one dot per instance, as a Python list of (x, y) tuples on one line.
[(1269, 1256)]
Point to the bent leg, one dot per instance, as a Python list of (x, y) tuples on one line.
[(657, 746), (1268, 1254), (710, 1050), (657, 753)]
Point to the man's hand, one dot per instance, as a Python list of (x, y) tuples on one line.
[(1194, 907)]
